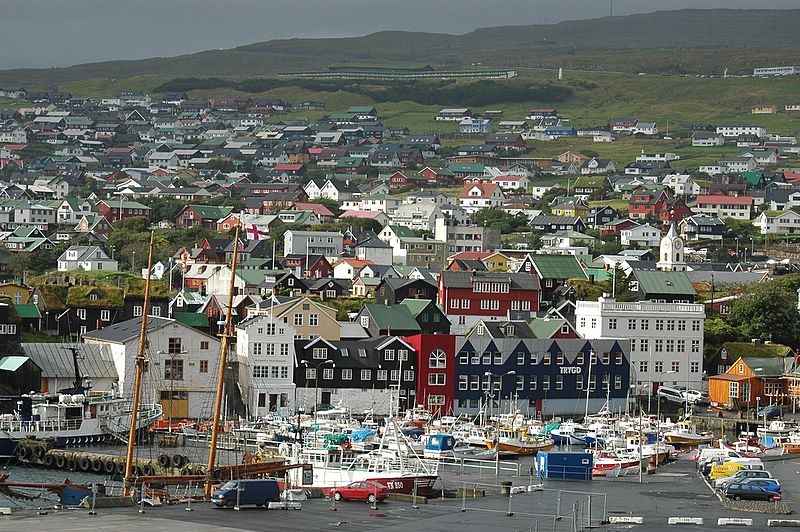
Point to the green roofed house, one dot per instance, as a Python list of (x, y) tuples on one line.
[(29, 315), (668, 287), (429, 315), (89, 308), (553, 271), (395, 320), (548, 328), (197, 320), (205, 215)]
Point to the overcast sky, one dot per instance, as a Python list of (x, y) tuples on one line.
[(45, 33)]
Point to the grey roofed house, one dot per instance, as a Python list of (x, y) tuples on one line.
[(127, 330), (519, 281), (727, 277), (56, 361), (508, 329), (352, 330)]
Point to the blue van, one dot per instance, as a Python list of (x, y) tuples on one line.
[(260, 492)]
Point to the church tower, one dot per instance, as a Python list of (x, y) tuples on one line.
[(671, 253)]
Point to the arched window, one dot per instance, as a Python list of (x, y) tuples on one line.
[(678, 257), (665, 257), (437, 359)]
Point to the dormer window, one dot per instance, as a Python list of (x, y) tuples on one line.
[(509, 330), (93, 297), (480, 330)]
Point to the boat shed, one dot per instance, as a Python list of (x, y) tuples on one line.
[(19, 375), (95, 364)]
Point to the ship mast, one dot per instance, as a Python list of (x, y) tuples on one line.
[(223, 362), (137, 382)]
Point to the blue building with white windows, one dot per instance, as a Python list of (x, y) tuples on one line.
[(505, 365)]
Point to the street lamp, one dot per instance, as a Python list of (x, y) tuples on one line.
[(737, 248), (500, 377), (133, 260), (658, 424), (316, 366)]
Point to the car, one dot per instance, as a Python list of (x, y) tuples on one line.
[(763, 489), (259, 492), (695, 397), (364, 490), (671, 395), (724, 482)]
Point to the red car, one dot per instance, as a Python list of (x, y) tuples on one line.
[(364, 490)]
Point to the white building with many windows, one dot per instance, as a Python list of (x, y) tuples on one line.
[(265, 352), (666, 338)]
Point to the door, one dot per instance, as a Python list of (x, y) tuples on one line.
[(325, 398), (176, 404)]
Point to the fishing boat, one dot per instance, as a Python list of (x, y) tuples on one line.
[(685, 433), (519, 442), (619, 462), (569, 433)]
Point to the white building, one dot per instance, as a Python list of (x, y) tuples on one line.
[(265, 352), (657, 157), (643, 235), (475, 125), (480, 195), (666, 338), (784, 222), (735, 131), (417, 216), (182, 363), (324, 243), (775, 71), (87, 258), (681, 184), (707, 139), (671, 257)]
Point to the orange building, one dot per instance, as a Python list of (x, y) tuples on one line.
[(751, 381)]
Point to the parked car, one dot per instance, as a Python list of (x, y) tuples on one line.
[(724, 482), (365, 490), (731, 466), (697, 398), (259, 492), (671, 395), (763, 489)]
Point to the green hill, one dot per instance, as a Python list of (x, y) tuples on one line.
[(674, 42)]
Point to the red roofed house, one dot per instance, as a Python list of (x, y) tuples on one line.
[(323, 213), (481, 195), (293, 169), (723, 206), (657, 204), (512, 182), (538, 114), (437, 175), (378, 216)]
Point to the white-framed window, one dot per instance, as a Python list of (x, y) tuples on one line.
[(365, 321), (520, 358), (311, 373), (105, 315), (383, 374), (436, 379), (436, 400), (694, 366), (258, 348), (388, 354), (695, 346), (533, 382), (366, 374), (485, 303), (474, 382), (298, 320), (347, 374), (137, 311), (612, 324), (454, 303), (559, 382), (402, 354), (284, 372), (437, 359), (465, 304), (617, 382), (408, 375), (320, 353), (546, 382), (313, 320), (394, 375), (643, 366), (520, 382), (81, 313), (156, 311), (463, 382)]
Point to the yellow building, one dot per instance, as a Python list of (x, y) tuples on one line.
[(19, 294)]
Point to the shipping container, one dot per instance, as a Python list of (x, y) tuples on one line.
[(558, 465)]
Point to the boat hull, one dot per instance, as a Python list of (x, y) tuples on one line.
[(687, 439), (399, 484), (520, 448)]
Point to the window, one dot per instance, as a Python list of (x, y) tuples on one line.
[(565, 329), (659, 325), (273, 372), (137, 311), (320, 353), (670, 346), (260, 372), (618, 359), (520, 358), (408, 375), (560, 359), (659, 367), (645, 324), (173, 369), (437, 359), (480, 330), (617, 382), (643, 366), (436, 400), (533, 382), (694, 366), (670, 325), (394, 376), (284, 350), (632, 324), (204, 345), (174, 346), (463, 382), (681, 346), (284, 372), (659, 346), (612, 324), (485, 304), (695, 346), (676, 366), (546, 358), (156, 311), (515, 305), (258, 348), (559, 382), (695, 325), (105, 315), (436, 379), (594, 323), (270, 329), (681, 325), (454, 303), (474, 382), (204, 366), (644, 345), (463, 358), (465, 303), (546, 382), (733, 390), (366, 374), (402, 354), (313, 320), (327, 373), (347, 374), (311, 373), (388, 354), (298, 320), (498, 359), (81, 313), (382, 374)]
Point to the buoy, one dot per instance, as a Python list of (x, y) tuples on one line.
[(109, 467), (164, 460), (61, 462), (178, 460), (39, 451), (84, 464), (49, 460), (97, 465)]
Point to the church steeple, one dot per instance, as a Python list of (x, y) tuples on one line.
[(671, 253)]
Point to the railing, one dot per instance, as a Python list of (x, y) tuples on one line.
[(47, 425), (691, 308)]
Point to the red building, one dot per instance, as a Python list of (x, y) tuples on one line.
[(487, 293), (616, 227), (438, 175), (318, 266), (657, 204), (114, 210), (436, 371)]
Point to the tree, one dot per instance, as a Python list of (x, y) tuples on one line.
[(549, 196), (768, 311), (497, 218), (332, 205)]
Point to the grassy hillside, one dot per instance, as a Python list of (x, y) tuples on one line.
[(673, 41)]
